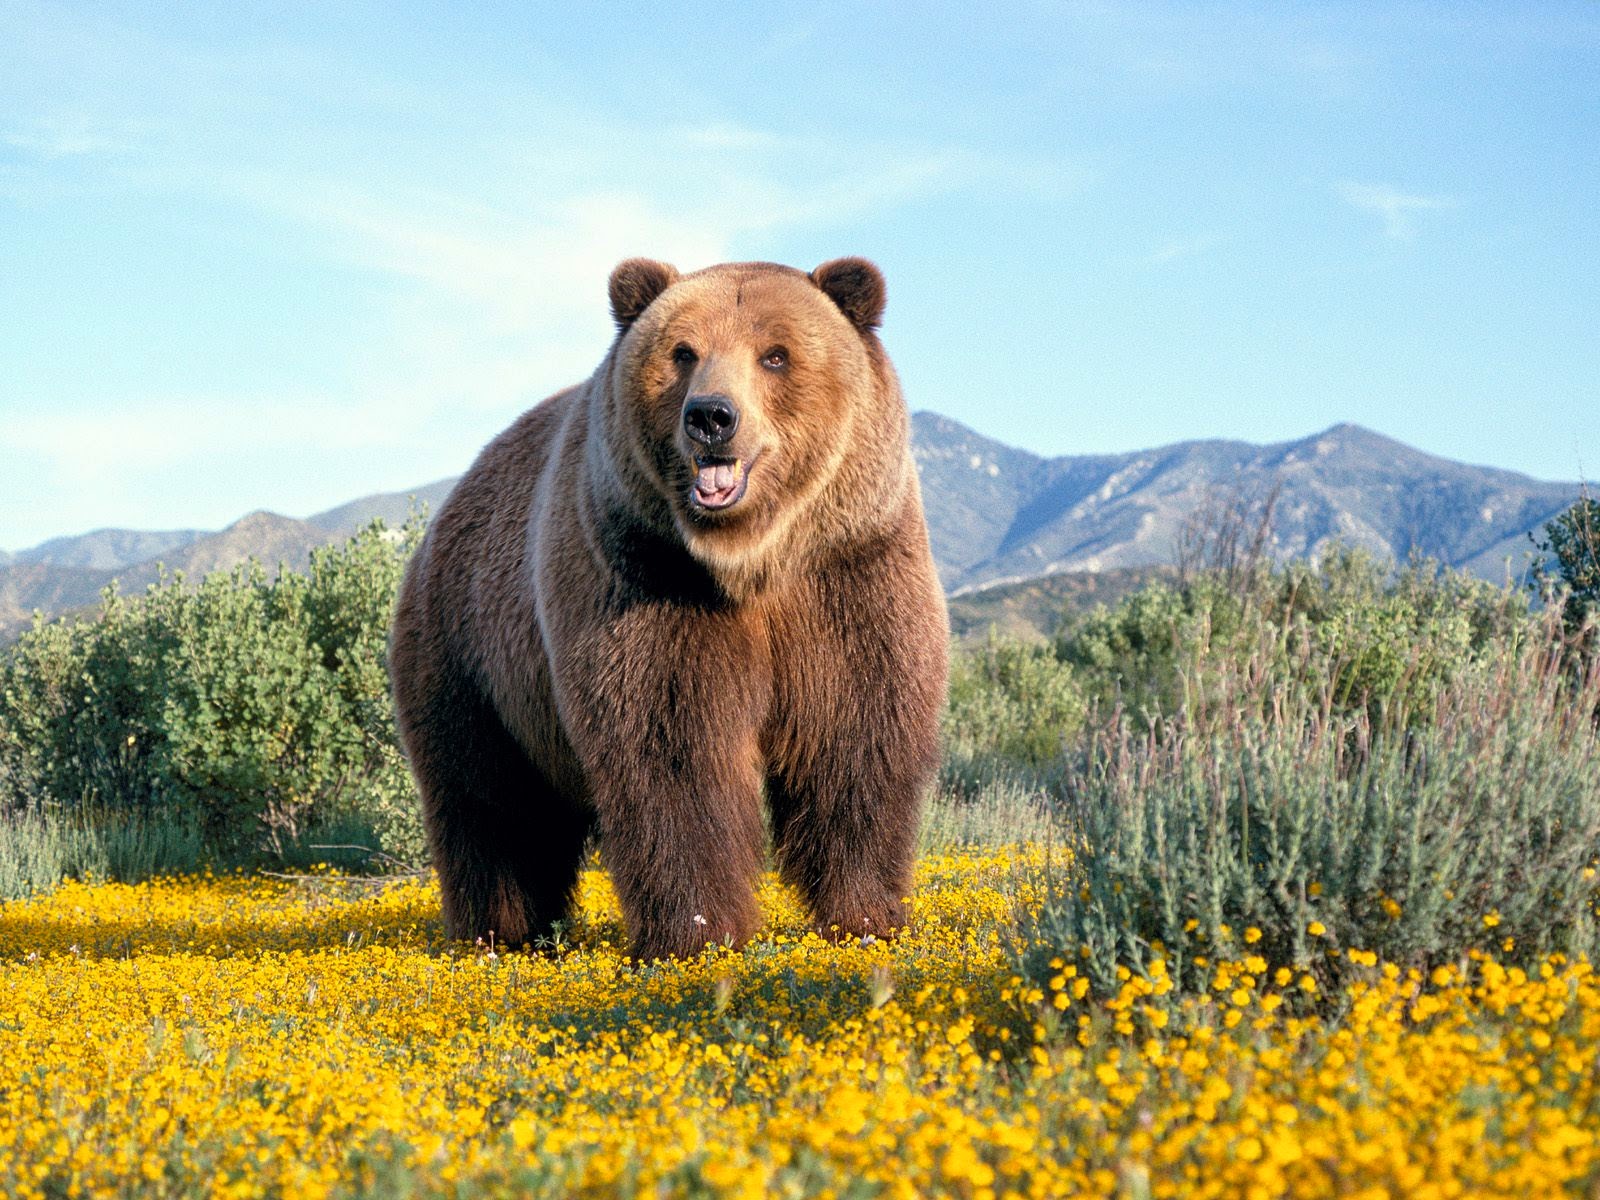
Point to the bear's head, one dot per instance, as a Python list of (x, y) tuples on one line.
[(749, 394)]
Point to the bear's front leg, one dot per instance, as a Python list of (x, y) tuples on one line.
[(684, 854), (845, 832), (663, 708), (854, 742)]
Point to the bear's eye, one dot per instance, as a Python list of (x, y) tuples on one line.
[(775, 359), (684, 356)]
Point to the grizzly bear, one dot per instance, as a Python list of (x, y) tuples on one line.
[(696, 580)]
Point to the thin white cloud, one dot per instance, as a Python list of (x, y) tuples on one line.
[(1179, 248), (139, 436), (203, 461), (509, 273), (60, 145), (541, 270), (1393, 206), (57, 137), (722, 135)]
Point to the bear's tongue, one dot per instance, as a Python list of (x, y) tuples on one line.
[(718, 477), (716, 482)]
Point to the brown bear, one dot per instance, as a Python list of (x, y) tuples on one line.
[(698, 578)]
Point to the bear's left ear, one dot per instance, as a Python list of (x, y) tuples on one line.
[(856, 286), (634, 284)]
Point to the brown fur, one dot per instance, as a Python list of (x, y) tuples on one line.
[(577, 647)]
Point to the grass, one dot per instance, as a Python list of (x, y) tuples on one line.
[(40, 849), (999, 812)]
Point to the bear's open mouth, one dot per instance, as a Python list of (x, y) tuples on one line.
[(718, 482)]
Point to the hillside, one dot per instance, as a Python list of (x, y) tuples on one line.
[(104, 549), (996, 514), (57, 588), (1032, 608), (393, 507)]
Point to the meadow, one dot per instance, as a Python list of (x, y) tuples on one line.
[(240, 1036), (1275, 882)]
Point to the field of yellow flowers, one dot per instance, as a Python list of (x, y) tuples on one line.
[(246, 1036)]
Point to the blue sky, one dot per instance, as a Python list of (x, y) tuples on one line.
[(279, 256)]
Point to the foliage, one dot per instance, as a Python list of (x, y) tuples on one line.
[(1265, 751), (257, 709), (998, 812), (1572, 540), (1377, 633), (1013, 707), (1350, 632), (1228, 534)]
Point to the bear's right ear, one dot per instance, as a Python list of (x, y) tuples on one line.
[(634, 284)]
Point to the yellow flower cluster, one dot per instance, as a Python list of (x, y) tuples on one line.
[(243, 1036)]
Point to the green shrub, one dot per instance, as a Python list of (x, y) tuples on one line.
[(1395, 638), (1244, 826), (1127, 656), (1376, 631), (257, 709), (1012, 709), (1569, 560)]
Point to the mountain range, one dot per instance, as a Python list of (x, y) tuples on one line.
[(997, 515)]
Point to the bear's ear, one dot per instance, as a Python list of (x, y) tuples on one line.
[(856, 286), (634, 284)]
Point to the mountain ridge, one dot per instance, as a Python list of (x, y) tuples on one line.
[(1345, 483)]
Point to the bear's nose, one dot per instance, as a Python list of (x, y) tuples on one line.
[(710, 420)]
